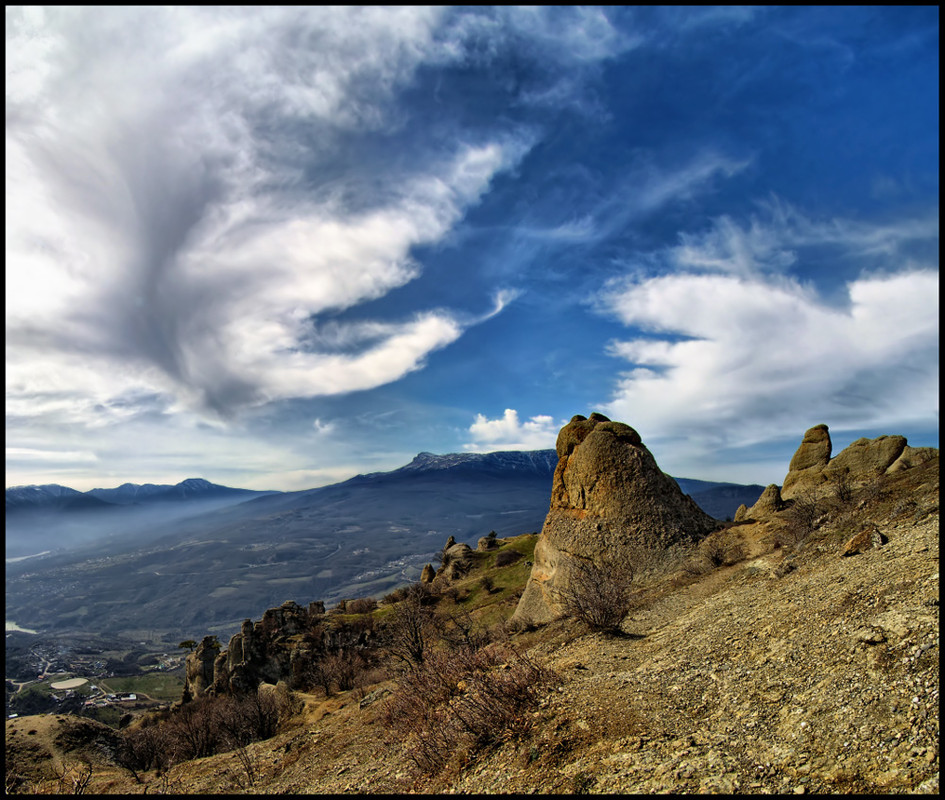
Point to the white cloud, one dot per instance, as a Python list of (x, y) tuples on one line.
[(734, 360), (508, 433), (158, 239)]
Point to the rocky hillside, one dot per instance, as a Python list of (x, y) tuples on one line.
[(789, 652)]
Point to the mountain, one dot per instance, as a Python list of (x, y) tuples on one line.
[(786, 653), (50, 496), (720, 500), (54, 517)]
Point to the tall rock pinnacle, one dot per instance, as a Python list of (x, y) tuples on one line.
[(608, 500)]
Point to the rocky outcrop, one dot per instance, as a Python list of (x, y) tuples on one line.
[(769, 502), (456, 561), (198, 668), (263, 652), (807, 465), (490, 542), (428, 574), (812, 471), (609, 500)]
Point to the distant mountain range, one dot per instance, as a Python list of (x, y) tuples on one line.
[(196, 556), (52, 496)]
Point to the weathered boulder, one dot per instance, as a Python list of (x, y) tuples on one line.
[(485, 543), (609, 500), (807, 466), (813, 472), (912, 457), (428, 574), (456, 562), (867, 459), (741, 513), (865, 540), (769, 502)]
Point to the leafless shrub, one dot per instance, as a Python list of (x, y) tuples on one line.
[(363, 605), (396, 595), (506, 557), (74, 778), (799, 520), (721, 550), (464, 700), (842, 484), (597, 595), (487, 583), (411, 629), (458, 629), (248, 765)]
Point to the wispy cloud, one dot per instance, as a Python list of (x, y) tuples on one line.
[(508, 433), (29, 454), (160, 236), (769, 241)]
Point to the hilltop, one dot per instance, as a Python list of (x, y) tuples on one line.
[(776, 654)]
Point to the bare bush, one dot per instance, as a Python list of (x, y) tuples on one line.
[(842, 484), (506, 557), (597, 595), (363, 605), (800, 519), (721, 550), (458, 629), (463, 700), (411, 629), (396, 595)]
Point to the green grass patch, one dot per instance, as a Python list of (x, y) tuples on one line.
[(159, 685)]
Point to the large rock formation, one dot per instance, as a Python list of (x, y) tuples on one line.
[(275, 648), (608, 500), (812, 471), (807, 467)]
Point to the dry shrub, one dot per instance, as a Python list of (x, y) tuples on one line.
[(363, 605), (203, 727), (506, 557), (720, 550), (462, 700), (597, 595), (412, 628), (396, 595), (799, 521)]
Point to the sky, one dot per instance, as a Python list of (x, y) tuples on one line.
[(277, 247)]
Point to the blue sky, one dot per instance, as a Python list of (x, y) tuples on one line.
[(278, 247)]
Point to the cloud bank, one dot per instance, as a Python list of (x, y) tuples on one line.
[(175, 231), (731, 351)]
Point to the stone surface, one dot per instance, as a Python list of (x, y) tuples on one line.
[(812, 472), (428, 574), (609, 500), (866, 539), (769, 503), (867, 459), (807, 465)]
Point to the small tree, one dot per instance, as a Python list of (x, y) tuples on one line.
[(188, 643), (597, 595)]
